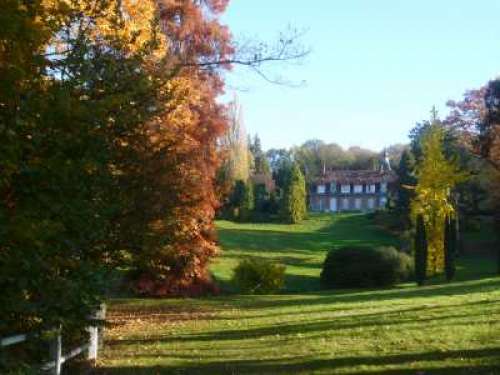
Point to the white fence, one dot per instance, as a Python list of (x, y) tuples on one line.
[(91, 348)]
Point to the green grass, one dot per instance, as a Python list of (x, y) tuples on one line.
[(301, 247), (443, 328)]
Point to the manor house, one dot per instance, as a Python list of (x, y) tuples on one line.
[(353, 190)]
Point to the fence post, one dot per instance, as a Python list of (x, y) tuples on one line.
[(93, 330), (56, 353), (93, 343)]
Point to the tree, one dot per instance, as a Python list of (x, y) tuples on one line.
[(489, 129), (73, 82), (420, 251), (436, 176), (407, 180), (248, 204), (294, 207), (316, 157), (450, 248), (477, 117), (242, 201), (234, 153), (489, 141), (261, 197), (260, 162)]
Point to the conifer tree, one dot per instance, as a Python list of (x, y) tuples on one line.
[(450, 248), (420, 252), (294, 207), (407, 179), (248, 203)]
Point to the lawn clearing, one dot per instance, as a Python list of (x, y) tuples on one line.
[(438, 329), (301, 247)]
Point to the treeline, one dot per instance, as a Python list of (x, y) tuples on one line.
[(249, 188), (258, 185)]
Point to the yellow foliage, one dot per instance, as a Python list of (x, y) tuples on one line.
[(437, 176), (134, 22)]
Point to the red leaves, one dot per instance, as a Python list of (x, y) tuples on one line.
[(176, 252)]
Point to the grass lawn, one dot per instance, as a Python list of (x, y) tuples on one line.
[(301, 247), (438, 329)]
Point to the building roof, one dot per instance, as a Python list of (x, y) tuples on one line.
[(357, 177)]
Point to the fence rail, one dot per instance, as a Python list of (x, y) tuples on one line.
[(56, 350)]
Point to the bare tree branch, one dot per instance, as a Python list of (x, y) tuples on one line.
[(258, 55)]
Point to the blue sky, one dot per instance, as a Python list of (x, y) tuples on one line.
[(376, 67)]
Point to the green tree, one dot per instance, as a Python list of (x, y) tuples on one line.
[(248, 204), (407, 180), (260, 162), (242, 200), (450, 248), (294, 207), (420, 251), (67, 94), (261, 197)]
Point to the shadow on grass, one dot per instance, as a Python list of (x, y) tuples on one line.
[(405, 316), (341, 230), (408, 363), (375, 295)]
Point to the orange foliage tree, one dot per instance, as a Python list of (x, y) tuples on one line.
[(172, 182)]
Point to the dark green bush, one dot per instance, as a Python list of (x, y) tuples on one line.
[(360, 267), (259, 276)]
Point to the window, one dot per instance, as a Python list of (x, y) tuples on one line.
[(383, 187), (333, 204), (383, 202), (370, 203), (333, 187), (371, 188), (357, 203), (321, 189), (345, 204), (358, 189), (345, 189)]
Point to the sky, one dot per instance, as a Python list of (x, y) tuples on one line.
[(375, 67)]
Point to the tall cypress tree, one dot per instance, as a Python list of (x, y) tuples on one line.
[(420, 252), (406, 173), (294, 207), (450, 248), (248, 204)]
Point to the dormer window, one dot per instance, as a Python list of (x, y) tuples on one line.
[(321, 189)]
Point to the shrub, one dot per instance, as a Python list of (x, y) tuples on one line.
[(353, 267), (259, 276)]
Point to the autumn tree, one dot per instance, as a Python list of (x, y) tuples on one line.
[(476, 116), (489, 141), (436, 176), (234, 153)]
